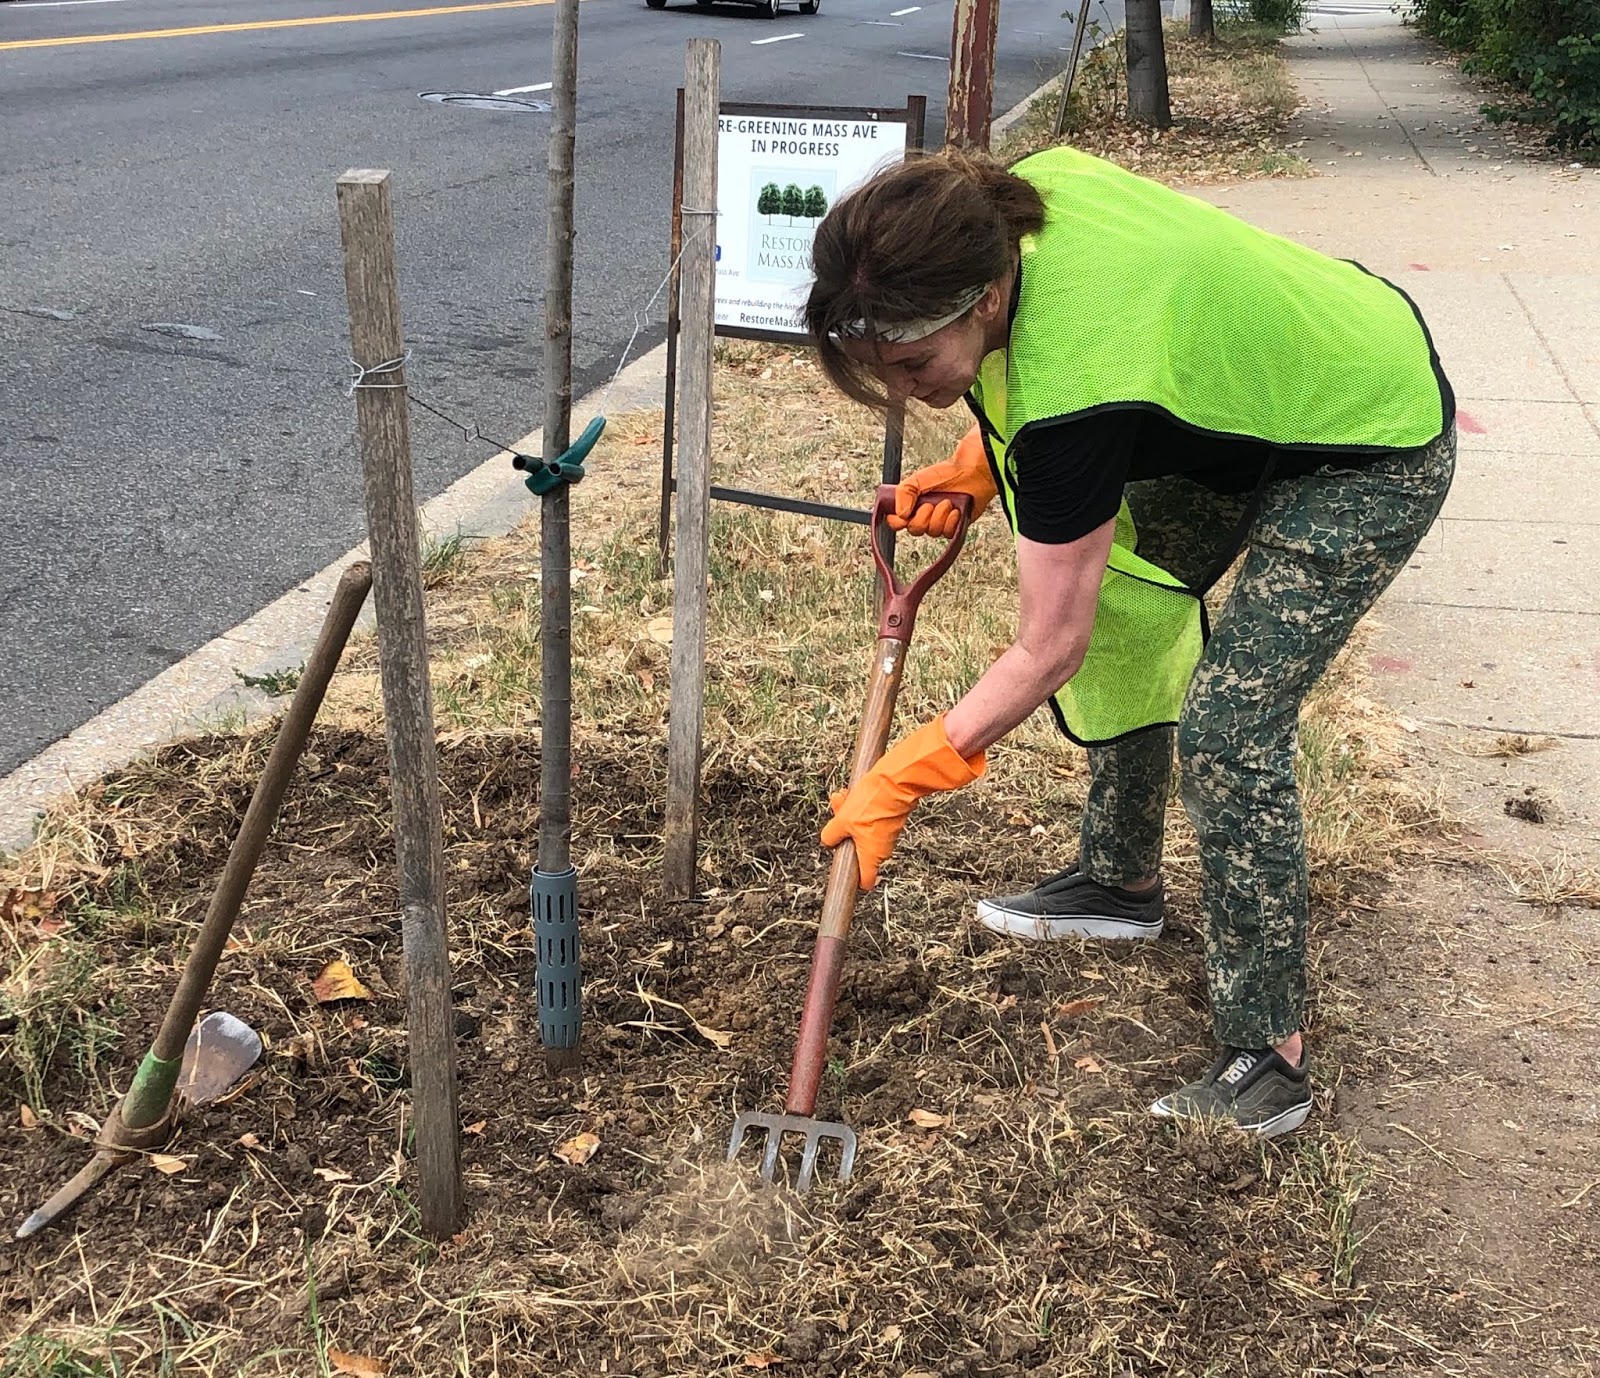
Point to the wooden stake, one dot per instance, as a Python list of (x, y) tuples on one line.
[(702, 83), (367, 231)]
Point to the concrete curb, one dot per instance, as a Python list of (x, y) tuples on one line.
[(489, 500)]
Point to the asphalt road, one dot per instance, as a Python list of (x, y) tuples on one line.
[(156, 487)]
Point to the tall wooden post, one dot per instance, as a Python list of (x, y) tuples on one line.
[(702, 81), (553, 890), (973, 31), (367, 231)]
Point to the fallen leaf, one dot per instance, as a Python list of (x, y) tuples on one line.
[(337, 982), (1088, 1064), (358, 1365), (1073, 1008), (659, 629), (477, 1128), (891, 1333), (165, 1162), (579, 1149), (331, 1174), (248, 1141), (28, 1118), (926, 1119), (32, 907), (762, 1358), (647, 681), (721, 1037), (300, 1048)]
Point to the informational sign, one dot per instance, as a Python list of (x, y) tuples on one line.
[(777, 174)]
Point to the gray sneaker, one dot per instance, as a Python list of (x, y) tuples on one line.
[(1254, 1088), (1070, 905)]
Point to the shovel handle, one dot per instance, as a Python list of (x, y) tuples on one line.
[(844, 876), (901, 601)]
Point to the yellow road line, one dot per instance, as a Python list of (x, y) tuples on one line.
[(265, 24)]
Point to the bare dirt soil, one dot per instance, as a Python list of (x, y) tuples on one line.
[(1036, 1221)]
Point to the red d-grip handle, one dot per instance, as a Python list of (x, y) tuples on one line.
[(900, 601)]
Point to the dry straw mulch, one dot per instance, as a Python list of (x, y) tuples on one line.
[(1031, 1218)]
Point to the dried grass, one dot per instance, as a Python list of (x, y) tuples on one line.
[(1047, 1225), (1232, 101)]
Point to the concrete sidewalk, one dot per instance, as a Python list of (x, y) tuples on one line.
[(1495, 627), (1478, 1107)]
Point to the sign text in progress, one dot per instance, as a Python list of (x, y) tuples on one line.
[(777, 175)]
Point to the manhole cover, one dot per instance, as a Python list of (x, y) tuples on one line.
[(519, 105)]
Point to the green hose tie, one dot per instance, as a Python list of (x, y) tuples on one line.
[(151, 1092), (542, 476)]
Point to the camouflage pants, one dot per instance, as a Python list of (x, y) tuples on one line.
[(1321, 550)]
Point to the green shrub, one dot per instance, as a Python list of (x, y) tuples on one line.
[(1549, 49), (1275, 16)]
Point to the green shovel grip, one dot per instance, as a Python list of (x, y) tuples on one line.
[(151, 1091)]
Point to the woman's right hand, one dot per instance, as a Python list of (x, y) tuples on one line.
[(966, 471)]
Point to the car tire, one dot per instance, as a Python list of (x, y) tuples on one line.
[(809, 6), (656, 4), (771, 8)]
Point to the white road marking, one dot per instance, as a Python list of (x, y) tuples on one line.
[(57, 4), (757, 42), (926, 57), (518, 90), (910, 9)]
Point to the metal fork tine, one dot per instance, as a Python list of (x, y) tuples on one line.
[(808, 1162), (769, 1160), (847, 1154)]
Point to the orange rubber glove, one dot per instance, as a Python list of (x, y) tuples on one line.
[(966, 471), (875, 810)]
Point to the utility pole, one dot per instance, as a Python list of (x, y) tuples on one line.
[(553, 892), (971, 101)]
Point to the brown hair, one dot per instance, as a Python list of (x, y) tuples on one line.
[(909, 245)]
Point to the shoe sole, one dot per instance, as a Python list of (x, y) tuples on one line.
[(1034, 929), (1284, 1122)]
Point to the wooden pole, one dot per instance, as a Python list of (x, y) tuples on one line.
[(973, 30), (367, 231), (702, 81)]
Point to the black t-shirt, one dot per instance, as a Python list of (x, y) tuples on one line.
[(1070, 473)]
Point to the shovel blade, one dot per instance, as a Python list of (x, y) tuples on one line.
[(220, 1050), (813, 1134)]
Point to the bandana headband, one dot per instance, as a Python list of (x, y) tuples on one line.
[(909, 332)]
